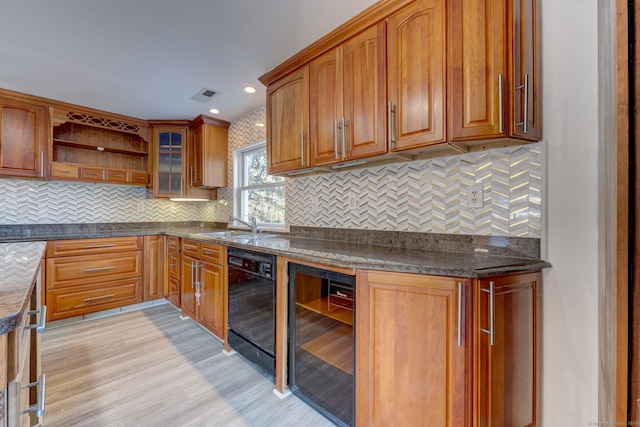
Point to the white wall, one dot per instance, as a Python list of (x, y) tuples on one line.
[(570, 127)]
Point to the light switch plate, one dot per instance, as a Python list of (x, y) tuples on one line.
[(475, 196)]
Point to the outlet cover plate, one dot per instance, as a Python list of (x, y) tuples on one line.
[(475, 196)]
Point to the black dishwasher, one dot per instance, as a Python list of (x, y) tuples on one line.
[(252, 307), (321, 340)]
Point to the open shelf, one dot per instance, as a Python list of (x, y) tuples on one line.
[(335, 347), (321, 306), (87, 146)]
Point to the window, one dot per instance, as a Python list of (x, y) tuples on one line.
[(257, 193)]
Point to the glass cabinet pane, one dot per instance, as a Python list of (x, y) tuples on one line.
[(170, 162)]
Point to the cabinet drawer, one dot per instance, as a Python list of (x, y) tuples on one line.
[(92, 174), (64, 170), (174, 265), (79, 300), (173, 244), (74, 271), (191, 248), (141, 178), (116, 176), (212, 253), (60, 248)]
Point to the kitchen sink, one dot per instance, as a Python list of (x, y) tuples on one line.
[(250, 238), (236, 236), (224, 234)]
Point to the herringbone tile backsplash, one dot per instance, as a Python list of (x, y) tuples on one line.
[(39, 202), (421, 196)]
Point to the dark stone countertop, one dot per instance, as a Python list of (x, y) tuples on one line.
[(422, 253), (373, 257), (19, 263)]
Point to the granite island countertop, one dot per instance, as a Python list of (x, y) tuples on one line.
[(19, 263)]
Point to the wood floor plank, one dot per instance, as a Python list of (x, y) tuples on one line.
[(151, 368)]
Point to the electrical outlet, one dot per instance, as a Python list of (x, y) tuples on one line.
[(475, 198), (353, 203), (140, 207), (313, 203)]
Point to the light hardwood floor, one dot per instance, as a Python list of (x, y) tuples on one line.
[(151, 368)]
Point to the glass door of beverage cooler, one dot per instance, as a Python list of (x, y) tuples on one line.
[(321, 340)]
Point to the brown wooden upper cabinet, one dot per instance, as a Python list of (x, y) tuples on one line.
[(347, 96), (416, 63), (208, 162), (408, 77), (23, 138), (494, 77), (288, 127), (189, 158)]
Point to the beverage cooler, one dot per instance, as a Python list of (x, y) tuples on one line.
[(321, 340)]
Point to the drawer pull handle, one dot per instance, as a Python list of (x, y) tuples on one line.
[(209, 252), (117, 175), (38, 408), (88, 270), (63, 171), (108, 245), (100, 297), (42, 319)]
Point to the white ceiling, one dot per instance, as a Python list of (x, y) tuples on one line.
[(147, 58)]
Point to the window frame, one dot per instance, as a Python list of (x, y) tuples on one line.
[(240, 179)]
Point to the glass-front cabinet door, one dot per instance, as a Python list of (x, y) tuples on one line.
[(170, 143)]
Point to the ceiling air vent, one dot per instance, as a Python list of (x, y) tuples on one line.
[(204, 95)]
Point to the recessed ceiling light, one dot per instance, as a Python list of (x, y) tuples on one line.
[(250, 89), (214, 111)]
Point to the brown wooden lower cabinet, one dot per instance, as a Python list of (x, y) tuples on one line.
[(447, 351), (507, 368), (211, 313), (20, 362), (410, 365), (203, 284), (77, 300), (173, 268), (154, 267), (89, 275)]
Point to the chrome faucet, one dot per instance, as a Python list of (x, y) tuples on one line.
[(253, 223)]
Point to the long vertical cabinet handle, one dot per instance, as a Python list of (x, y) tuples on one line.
[(39, 407), (525, 118), (492, 313), (391, 125), (501, 101), (335, 139), (302, 148), (460, 307), (198, 283), (345, 136), (193, 275), (192, 170), (42, 164)]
